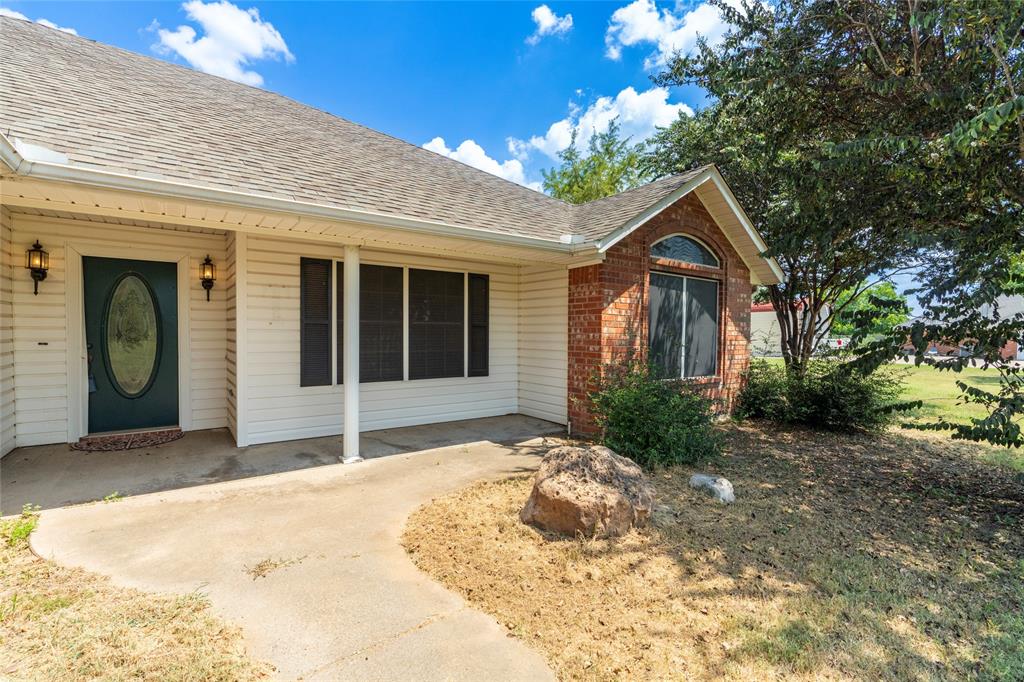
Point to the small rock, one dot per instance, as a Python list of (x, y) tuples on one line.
[(716, 486)]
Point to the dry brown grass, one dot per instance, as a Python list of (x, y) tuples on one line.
[(67, 624), (884, 557)]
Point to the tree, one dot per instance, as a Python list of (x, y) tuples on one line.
[(871, 125), (611, 165), (815, 220), (884, 306)]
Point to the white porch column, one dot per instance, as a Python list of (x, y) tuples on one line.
[(350, 359)]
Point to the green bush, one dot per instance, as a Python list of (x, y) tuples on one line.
[(653, 421), (830, 395)]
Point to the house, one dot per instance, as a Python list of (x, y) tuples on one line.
[(766, 334), (184, 251)]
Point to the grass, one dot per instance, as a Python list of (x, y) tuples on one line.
[(941, 397), (889, 557), (65, 624)]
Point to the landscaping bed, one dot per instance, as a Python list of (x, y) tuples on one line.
[(61, 623), (898, 556)]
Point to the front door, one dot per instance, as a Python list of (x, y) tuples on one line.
[(131, 334)]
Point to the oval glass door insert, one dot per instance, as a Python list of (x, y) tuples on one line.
[(133, 335)]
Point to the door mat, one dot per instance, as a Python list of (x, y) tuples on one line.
[(127, 441)]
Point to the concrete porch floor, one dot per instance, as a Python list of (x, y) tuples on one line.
[(54, 476)]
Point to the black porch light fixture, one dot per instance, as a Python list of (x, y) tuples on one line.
[(38, 261), (208, 275)]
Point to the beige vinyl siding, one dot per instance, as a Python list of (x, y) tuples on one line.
[(543, 342), (41, 322), (280, 409), (7, 265)]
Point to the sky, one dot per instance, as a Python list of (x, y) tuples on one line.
[(500, 86)]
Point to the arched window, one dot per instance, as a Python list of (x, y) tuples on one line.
[(685, 249)]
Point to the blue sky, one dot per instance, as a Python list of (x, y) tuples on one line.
[(501, 84)]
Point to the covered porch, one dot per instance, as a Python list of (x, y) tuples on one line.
[(53, 476)]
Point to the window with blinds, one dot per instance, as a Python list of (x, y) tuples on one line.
[(436, 324), (314, 322)]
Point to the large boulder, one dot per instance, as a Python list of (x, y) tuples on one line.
[(590, 491)]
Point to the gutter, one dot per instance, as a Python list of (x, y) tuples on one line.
[(45, 170)]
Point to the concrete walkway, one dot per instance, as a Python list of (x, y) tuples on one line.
[(346, 601)]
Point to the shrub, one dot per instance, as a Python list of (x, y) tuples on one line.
[(653, 421), (830, 395)]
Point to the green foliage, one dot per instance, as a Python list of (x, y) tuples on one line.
[(15, 531), (653, 421), (867, 136), (871, 304), (610, 166), (830, 395)]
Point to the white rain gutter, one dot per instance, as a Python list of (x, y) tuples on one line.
[(46, 170)]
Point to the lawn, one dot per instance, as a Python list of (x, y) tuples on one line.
[(60, 623), (893, 557), (940, 394)]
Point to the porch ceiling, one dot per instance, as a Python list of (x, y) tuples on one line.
[(73, 200)]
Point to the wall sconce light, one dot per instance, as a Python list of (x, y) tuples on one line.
[(38, 261), (208, 275)]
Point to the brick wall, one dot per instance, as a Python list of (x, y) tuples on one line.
[(608, 307)]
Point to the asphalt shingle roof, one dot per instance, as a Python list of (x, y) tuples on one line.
[(110, 109)]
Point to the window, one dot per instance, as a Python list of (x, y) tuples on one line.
[(314, 322), (448, 323), (683, 325), (380, 323), (685, 249), (436, 324)]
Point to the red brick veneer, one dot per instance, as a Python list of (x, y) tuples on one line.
[(608, 306)]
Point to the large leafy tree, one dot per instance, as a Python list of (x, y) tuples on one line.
[(610, 165), (866, 134)]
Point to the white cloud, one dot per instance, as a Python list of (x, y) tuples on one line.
[(7, 12), (638, 114), (641, 22), (232, 38), (548, 24), (472, 154)]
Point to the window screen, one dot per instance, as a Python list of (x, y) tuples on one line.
[(666, 320), (380, 323), (683, 325), (479, 313), (700, 339), (436, 324), (314, 322), (684, 249)]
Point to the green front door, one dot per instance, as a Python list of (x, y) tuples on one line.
[(131, 333)]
